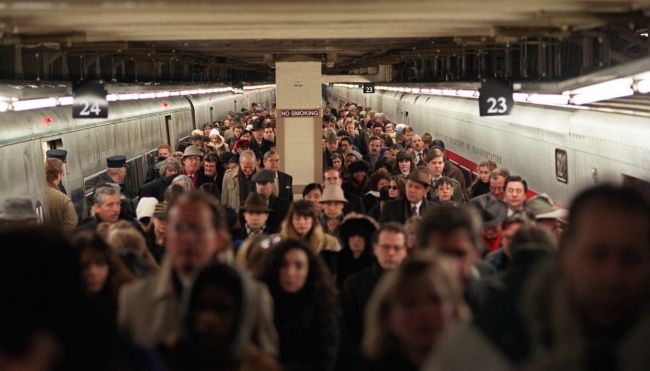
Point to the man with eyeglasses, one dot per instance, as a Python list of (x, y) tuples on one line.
[(191, 163), (390, 250), (197, 235), (515, 193)]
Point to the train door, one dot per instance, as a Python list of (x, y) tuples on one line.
[(55, 143), (168, 128), (634, 182)]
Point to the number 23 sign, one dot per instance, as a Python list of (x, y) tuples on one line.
[(495, 98)]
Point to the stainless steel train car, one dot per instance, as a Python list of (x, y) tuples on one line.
[(133, 128), (559, 150)]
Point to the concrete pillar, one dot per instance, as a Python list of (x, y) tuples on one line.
[(298, 86)]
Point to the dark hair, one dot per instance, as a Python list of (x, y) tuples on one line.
[(215, 275), (630, 199), (444, 180), (392, 227), (319, 286), (310, 187), (438, 143), (518, 217), (376, 177), (530, 233), (401, 185), (446, 219), (212, 157), (516, 178), (118, 273)]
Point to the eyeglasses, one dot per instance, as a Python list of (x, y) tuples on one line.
[(393, 187)]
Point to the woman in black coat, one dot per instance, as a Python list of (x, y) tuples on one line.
[(356, 235), (304, 307)]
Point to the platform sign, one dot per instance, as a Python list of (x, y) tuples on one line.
[(495, 98), (89, 101), (368, 88), (308, 112)]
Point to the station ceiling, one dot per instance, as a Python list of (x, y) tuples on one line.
[(347, 34)]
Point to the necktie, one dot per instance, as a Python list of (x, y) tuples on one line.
[(276, 186), (414, 210), (420, 159)]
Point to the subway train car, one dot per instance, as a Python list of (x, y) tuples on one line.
[(133, 128), (558, 150)]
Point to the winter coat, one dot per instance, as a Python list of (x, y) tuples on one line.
[(60, 209), (309, 338)]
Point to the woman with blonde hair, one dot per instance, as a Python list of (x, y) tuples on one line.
[(409, 311), (131, 246), (301, 223)]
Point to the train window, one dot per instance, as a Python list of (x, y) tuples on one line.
[(561, 166), (211, 114), (89, 185), (51, 144), (636, 183), (150, 159), (184, 140), (134, 176)]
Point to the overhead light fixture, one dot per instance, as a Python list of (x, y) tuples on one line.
[(65, 101), (127, 96), (146, 95), (603, 91), (162, 94), (643, 86), (551, 99), (23, 105), (4, 106)]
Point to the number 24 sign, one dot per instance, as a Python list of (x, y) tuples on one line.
[(90, 101)]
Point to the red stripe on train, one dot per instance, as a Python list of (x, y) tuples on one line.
[(472, 166)]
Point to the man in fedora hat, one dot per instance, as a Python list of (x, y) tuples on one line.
[(258, 142), (493, 213), (333, 202), (332, 176), (331, 147), (264, 179), (414, 201), (546, 214), (116, 174), (255, 214), (192, 157)]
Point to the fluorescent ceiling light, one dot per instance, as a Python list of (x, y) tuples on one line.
[(162, 94), (65, 101), (643, 86), (4, 106), (553, 99), (146, 95), (24, 105), (603, 91), (128, 96)]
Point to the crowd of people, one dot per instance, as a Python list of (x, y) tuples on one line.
[(395, 260)]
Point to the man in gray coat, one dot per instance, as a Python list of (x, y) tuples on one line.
[(197, 234)]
